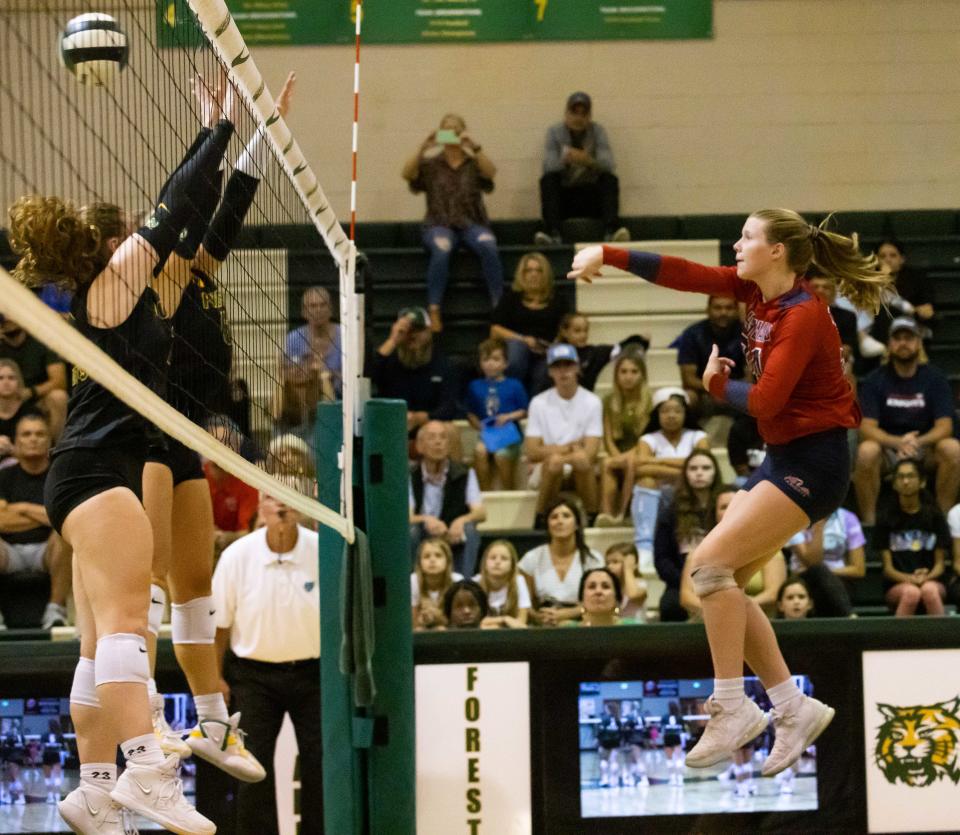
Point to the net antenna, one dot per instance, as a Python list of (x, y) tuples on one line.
[(221, 30), (116, 144)]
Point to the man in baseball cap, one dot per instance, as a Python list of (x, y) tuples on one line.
[(578, 178), (564, 430), (907, 409)]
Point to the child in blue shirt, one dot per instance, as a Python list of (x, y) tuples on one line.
[(494, 404)]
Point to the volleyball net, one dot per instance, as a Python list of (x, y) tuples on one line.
[(267, 247)]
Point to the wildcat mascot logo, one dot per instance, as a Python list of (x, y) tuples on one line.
[(919, 745)]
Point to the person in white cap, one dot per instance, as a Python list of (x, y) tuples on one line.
[(564, 431)]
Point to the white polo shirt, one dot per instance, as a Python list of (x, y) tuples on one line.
[(270, 602)]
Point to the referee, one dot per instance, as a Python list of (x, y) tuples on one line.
[(267, 599)]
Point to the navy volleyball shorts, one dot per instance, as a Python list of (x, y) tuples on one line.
[(812, 471), (184, 464), (80, 473)]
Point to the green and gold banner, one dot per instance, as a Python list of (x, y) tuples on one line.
[(279, 22)]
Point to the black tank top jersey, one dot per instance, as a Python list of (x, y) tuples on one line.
[(202, 350), (141, 344)]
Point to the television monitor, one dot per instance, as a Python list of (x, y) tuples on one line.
[(39, 763), (633, 737)]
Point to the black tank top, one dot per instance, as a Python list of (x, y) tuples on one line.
[(141, 344), (202, 350)]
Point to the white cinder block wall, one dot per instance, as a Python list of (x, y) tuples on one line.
[(815, 104)]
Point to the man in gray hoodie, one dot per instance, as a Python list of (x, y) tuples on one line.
[(578, 178)]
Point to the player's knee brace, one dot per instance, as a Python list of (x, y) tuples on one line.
[(193, 622), (158, 602), (122, 657), (84, 688), (709, 579)]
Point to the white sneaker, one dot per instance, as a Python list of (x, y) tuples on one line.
[(221, 744), (54, 615), (620, 236), (157, 793), (795, 732), (170, 741), (90, 810), (726, 731), (605, 520)]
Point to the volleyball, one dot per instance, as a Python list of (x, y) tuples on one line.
[(94, 48)]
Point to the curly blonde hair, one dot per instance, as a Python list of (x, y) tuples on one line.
[(55, 244), (861, 278)]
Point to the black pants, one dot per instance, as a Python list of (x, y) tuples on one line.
[(670, 609), (830, 596), (600, 199), (264, 692)]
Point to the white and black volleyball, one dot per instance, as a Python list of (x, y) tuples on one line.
[(94, 48)]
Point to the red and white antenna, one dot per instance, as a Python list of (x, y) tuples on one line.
[(358, 14)]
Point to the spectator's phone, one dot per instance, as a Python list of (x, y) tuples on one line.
[(447, 137)]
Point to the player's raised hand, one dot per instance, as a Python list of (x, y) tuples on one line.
[(587, 263), (286, 94), (208, 96), (716, 365)]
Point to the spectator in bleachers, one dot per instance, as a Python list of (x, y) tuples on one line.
[(846, 320), (793, 599), (235, 503), (409, 366), (914, 293), (44, 373), (495, 404), (465, 605), (952, 575), (599, 595), (445, 499), (432, 575), (553, 570), (13, 406), (830, 557), (682, 524), (27, 541), (578, 178), (564, 433), (761, 586), (907, 413), (454, 181), (721, 328), (288, 455), (621, 561), (575, 330), (311, 367), (745, 448), (626, 413), (528, 318), (661, 454), (913, 538), (507, 594)]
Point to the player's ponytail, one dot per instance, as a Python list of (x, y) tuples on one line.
[(860, 278), (55, 244)]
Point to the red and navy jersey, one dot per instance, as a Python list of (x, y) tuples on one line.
[(791, 345)]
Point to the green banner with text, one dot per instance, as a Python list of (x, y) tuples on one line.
[(279, 22)]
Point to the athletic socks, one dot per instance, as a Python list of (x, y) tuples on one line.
[(143, 750), (783, 694), (728, 692), (211, 706), (101, 775), (151, 688)]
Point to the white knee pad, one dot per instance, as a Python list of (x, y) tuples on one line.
[(709, 579), (193, 622), (122, 657), (84, 689), (158, 602)]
